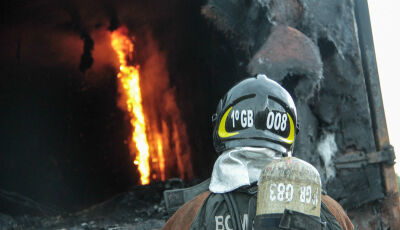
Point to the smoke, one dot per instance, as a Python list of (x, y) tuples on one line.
[(35, 33), (113, 16), (86, 58), (36, 46)]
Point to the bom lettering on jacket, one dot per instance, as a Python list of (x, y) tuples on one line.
[(225, 222)]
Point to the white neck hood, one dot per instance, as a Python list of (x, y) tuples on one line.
[(240, 166)]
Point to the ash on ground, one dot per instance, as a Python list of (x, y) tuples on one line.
[(140, 208)]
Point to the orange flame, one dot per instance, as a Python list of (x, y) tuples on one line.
[(161, 160), (129, 79), (158, 131)]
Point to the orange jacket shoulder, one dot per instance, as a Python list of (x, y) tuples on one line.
[(185, 215), (336, 209)]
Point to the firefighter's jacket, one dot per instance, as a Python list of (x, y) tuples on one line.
[(236, 211)]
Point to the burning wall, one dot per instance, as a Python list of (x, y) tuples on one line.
[(74, 132), (64, 108)]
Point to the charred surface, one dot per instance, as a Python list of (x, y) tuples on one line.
[(332, 90), (141, 207)]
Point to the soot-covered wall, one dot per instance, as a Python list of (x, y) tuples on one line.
[(322, 52), (63, 136)]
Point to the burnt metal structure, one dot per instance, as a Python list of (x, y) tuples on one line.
[(391, 204), (323, 53)]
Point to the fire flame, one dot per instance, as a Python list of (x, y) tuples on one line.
[(158, 131), (129, 79), (161, 160)]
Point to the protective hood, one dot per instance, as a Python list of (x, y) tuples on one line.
[(240, 166)]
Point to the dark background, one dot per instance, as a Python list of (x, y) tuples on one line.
[(62, 133)]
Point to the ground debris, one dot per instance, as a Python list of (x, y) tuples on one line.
[(140, 208)]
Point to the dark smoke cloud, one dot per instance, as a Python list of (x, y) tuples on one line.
[(113, 16), (29, 29), (86, 58), (88, 43)]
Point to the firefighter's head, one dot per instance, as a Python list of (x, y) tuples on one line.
[(256, 112)]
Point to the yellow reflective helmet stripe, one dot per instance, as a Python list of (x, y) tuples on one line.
[(223, 133), (290, 138), (222, 130)]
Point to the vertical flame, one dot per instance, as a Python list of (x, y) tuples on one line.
[(178, 150), (161, 160), (158, 131), (129, 79)]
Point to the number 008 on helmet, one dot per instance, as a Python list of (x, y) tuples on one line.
[(256, 112)]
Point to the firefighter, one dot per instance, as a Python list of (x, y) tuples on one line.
[(254, 126)]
